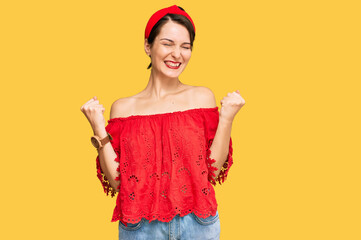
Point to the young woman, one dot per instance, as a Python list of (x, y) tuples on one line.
[(168, 144)]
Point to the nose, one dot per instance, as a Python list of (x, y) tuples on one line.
[(176, 52)]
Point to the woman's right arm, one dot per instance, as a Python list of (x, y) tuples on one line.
[(107, 156), (107, 171)]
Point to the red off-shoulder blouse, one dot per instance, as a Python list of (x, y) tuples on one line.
[(165, 167)]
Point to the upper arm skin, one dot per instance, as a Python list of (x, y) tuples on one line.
[(205, 97), (118, 108)]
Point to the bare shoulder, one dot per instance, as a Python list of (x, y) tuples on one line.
[(204, 97), (120, 107)]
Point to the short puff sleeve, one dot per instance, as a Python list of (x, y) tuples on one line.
[(114, 130), (211, 119)]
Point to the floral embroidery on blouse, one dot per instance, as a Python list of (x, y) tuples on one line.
[(164, 167)]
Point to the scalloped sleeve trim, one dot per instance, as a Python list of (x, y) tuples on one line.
[(225, 168), (103, 179)]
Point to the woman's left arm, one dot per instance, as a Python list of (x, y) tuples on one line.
[(230, 105)]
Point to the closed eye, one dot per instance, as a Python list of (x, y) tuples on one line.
[(169, 45)]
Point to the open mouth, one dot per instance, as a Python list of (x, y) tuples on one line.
[(172, 65)]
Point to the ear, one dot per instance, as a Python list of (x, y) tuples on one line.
[(146, 47)]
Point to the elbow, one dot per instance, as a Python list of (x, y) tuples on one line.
[(116, 185)]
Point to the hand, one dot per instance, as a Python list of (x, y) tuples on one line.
[(230, 105), (94, 113)]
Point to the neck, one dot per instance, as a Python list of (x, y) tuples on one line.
[(159, 86)]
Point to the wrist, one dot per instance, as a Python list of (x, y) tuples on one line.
[(223, 120), (100, 132)]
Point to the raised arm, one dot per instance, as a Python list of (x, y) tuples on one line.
[(107, 161), (221, 148)]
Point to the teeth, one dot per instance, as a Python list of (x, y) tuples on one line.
[(172, 64)]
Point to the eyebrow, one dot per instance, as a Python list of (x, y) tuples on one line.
[(173, 41)]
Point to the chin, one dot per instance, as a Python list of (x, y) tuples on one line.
[(172, 73)]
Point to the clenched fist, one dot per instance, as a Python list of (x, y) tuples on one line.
[(94, 113), (230, 105)]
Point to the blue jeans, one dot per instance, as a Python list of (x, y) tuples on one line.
[(179, 228)]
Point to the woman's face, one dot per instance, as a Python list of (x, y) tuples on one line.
[(170, 48)]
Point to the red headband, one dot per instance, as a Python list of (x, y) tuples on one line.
[(161, 13)]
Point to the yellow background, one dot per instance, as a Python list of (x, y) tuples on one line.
[(296, 172)]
